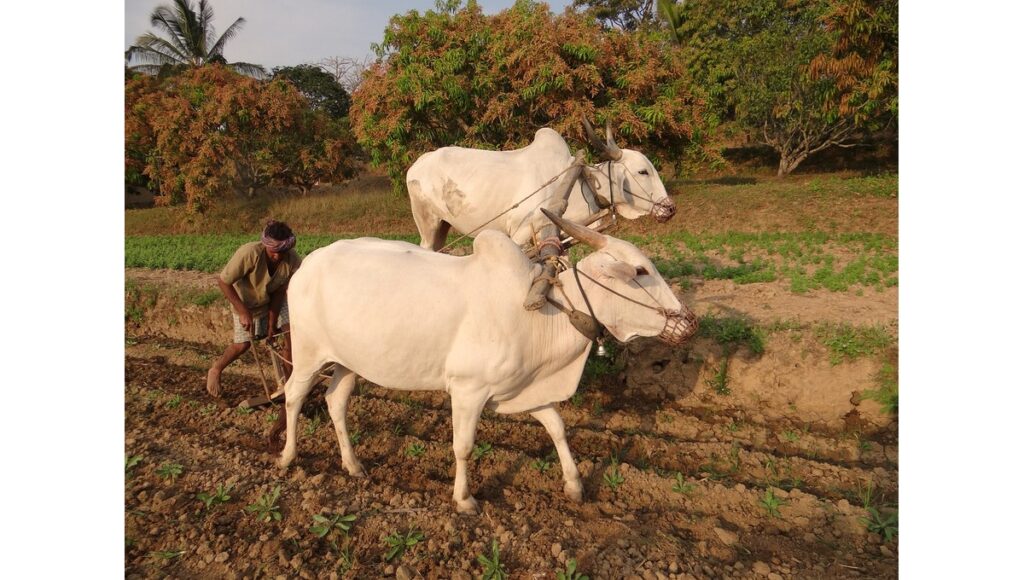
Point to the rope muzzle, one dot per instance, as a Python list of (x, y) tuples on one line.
[(679, 328), (664, 209)]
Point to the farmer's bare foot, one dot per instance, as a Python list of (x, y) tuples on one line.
[(213, 383)]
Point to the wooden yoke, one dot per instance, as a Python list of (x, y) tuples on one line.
[(549, 253)]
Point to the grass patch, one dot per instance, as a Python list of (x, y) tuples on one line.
[(887, 394), (209, 253), (847, 342), (732, 332)]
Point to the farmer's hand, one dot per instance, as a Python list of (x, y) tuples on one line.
[(245, 317)]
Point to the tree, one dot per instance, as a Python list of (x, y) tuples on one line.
[(190, 41), (459, 77), (864, 61), (318, 86), (620, 14), (209, 131), (347, 71), (754, 60)]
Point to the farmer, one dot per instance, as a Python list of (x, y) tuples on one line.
[(255, 281)]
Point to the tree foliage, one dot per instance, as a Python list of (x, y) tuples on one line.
[(318, 86), (790, 72), (209, 131), (189, 41), (621, 14), (864, 61), (457, 77)]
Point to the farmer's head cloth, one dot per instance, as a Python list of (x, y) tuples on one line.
[(278, 237)]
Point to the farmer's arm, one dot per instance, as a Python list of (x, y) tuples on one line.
[(237, 268), (228, 290), (276, 300)]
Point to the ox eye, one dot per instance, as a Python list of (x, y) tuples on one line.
[(641, 271), (644, 172)]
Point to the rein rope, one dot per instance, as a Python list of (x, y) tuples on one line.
[(514, 206)]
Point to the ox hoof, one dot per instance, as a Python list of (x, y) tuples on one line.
[(467, 506), (284, 462), (574, 491), (356, 469)]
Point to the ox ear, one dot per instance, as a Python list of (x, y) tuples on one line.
[(618, 270)]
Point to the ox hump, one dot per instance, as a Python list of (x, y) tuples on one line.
[(495, 248)]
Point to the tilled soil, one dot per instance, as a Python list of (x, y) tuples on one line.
[(697, 477)]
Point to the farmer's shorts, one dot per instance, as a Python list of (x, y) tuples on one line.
[(260, 322)]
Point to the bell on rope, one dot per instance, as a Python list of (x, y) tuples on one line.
[(601, 350)]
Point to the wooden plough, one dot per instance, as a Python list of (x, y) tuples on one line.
[(279, 377)]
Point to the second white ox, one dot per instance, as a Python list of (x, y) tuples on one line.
[(464, 188), (411, 319)]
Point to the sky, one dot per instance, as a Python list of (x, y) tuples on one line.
[(279, 33)]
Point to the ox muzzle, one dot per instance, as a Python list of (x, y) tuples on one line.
[(679, 327), (664, 209)]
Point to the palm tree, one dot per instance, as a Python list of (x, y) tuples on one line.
[(189, 43)]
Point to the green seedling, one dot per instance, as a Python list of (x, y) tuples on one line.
[(245, 410), (570, 572), (415, 450), (131, 462), (271, 417), (399, 542), (211, 499), (791, 436), (597, 409), (169, 471), (167, 554), (398, 429), (576, 399), (207, 409), (345, 560), (325, 524), (312, 425), (266, 507), (719, 382), (493, 568), (480, 449), (681, 486), (886, 526), (771, 503), (541, 465), (173, 402), (612, 477), (866, 493), (355, 436)]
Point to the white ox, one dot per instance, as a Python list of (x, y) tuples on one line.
[(464, 188), (407, 318)]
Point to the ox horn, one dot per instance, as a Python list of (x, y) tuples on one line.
[(586, 235), (594, 140), (613, 151)]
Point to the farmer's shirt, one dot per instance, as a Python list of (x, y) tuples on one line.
[(248, 271)]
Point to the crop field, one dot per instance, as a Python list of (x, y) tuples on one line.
[(767, 447)]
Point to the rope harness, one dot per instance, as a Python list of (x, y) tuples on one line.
[(514, 206), (661, 209)]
